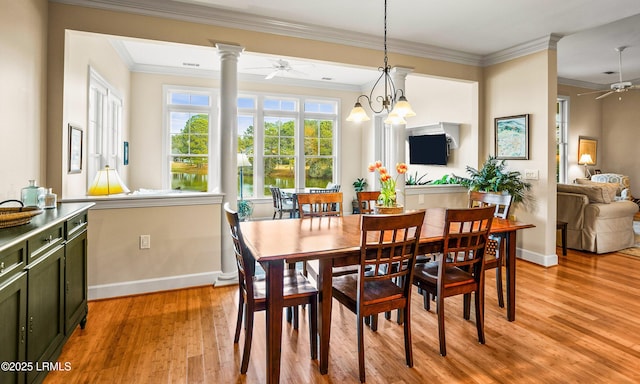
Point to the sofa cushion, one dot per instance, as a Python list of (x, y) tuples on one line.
[(595, 194), (613, 189)]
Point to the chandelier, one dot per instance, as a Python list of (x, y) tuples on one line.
[(393, 101)]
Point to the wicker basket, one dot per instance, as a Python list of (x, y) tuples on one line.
[(14, 216)]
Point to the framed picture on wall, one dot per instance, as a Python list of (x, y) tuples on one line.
[(75, 149), (512, 137)]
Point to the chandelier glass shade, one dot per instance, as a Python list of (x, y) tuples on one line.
[(392, 100)]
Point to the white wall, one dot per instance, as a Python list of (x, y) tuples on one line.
[(445, 100), (84, 50)]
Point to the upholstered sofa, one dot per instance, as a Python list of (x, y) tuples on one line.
[(596, 221)]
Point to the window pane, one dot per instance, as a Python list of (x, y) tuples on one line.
[(279, 136), (279, 171), (180, 98), (320, 107), (247, 102), (319, 172), (280, 105), (189, 173)]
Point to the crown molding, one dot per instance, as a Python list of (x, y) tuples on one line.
[(239, 20), (549, 42), (582, 84)]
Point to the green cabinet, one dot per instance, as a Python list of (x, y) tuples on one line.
[(75, 307), (45, 308), (13, 327), (43, 290)]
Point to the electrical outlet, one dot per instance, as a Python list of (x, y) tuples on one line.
[(531, 174), (145, 241)]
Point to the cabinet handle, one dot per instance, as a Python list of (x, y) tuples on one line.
[(48, 239), (31, 324), (1, 267), (22, 334)]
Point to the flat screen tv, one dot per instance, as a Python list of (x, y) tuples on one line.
[(428, 149)]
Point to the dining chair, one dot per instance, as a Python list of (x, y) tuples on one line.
[(320, 204), (281, 204), (460, 269), (496, 246), (385, 241), (367, 201), (297, 290)]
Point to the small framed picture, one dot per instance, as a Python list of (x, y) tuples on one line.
[(512, 137), (125, 153), (597, 171), (75, 149)]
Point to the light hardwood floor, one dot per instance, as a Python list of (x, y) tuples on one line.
[(578, 322)]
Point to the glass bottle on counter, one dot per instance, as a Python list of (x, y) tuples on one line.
[(32, 195), (50, 199)]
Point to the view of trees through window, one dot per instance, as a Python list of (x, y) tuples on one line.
[(277, 152), (189, 135)]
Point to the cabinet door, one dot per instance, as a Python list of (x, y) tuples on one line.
[(45, 310), (13, 315), (75, 309)]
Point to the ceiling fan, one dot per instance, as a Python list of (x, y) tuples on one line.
[(620, 86), (280, 67)]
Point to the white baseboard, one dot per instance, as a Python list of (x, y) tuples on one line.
[(537, 258), (126, 288)]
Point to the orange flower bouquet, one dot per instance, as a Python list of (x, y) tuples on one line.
[(388, 184)]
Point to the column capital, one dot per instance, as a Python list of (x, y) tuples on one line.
[(235, 50), (401, 71)]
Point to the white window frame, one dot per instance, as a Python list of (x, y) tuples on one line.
[(299, 116), (562, 137), (104, 132), (213, 184)]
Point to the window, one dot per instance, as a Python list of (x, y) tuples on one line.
[(189, 128), (562, 129), (295, 147), (104, 133)]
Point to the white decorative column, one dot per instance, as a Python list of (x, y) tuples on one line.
[(228, 146), (397, 146)]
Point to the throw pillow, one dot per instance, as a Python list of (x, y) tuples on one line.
[(613, 189), (595, 194)]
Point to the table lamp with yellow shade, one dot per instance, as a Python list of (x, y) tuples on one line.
[(107, 182)]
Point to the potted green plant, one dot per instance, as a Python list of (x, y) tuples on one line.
[(494, 177), (359, 185)]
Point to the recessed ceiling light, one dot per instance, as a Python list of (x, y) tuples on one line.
[(327, 78), (609, 72), (191, 64)]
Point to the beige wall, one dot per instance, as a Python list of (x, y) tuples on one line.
[(185, 248), (619, 139), (527, 85), (23, 63)]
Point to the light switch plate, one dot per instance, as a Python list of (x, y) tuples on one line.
[(531, 174)]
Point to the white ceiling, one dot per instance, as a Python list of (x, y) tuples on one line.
[(468, 31)]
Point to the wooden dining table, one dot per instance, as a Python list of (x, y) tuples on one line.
[(335, 241)]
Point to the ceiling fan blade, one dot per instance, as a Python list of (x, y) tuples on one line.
[(605, 95), (592, 92), (272, 75)]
